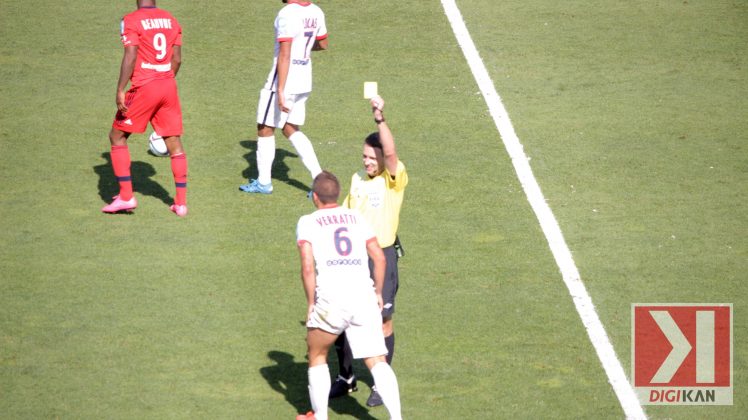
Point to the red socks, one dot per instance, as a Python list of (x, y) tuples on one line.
[(121, 166), (179, 170)]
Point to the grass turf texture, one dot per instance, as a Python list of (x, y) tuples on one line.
[(631, 112)]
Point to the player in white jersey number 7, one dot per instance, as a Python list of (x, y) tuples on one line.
[(299, 29)]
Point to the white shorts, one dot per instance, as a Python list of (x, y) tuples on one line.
[(361, 321), (269, 114)]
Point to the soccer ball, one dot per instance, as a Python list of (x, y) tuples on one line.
[(157, 145)]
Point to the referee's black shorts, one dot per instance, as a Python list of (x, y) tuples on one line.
[(391, 280)]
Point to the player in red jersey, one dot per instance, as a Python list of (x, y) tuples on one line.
[(152, 39)]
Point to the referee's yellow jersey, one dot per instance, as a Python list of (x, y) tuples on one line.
[(379, 200)]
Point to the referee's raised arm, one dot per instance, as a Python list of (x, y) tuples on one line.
[(385, 135)]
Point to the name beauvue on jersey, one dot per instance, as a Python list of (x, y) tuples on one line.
[(161, 23)]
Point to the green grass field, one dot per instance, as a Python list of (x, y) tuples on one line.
[(634, 116)]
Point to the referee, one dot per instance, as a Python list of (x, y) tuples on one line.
[(377, 193)]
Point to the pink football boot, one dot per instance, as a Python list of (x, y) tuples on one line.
[(179, 209), (120, 205)]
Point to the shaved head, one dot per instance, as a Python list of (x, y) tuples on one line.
[(327, 187)]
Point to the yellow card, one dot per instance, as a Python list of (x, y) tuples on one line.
[(370, 90)]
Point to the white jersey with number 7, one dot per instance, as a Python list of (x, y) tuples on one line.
[(302, 25)]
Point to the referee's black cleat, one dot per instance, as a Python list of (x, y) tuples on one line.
[(343, 386)]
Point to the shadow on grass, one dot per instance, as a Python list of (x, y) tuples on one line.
[(289, 378), (142, 183), (280, 169)]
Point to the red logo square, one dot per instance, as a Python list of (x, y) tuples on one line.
[(682, 353)]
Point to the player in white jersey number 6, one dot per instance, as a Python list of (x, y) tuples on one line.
[(335, 244)]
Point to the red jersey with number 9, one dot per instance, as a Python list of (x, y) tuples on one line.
[(155, 32)]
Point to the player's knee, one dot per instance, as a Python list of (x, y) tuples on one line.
[(174, 145), (117, 137), (289, 129), (317, 356), (265, 130), (372, 361)]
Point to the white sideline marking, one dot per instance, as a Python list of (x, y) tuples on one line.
[(595, 330)]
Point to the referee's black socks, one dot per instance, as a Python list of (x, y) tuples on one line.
[(345, 357), (389, 342)]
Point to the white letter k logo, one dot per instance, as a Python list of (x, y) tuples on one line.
[(681, 347)]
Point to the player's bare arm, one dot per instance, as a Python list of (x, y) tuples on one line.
[(176, 59), (308, 274), (125, 72), (377, 257), (284, 62), (385, 135)]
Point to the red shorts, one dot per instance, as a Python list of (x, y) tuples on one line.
[(156, 102)]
